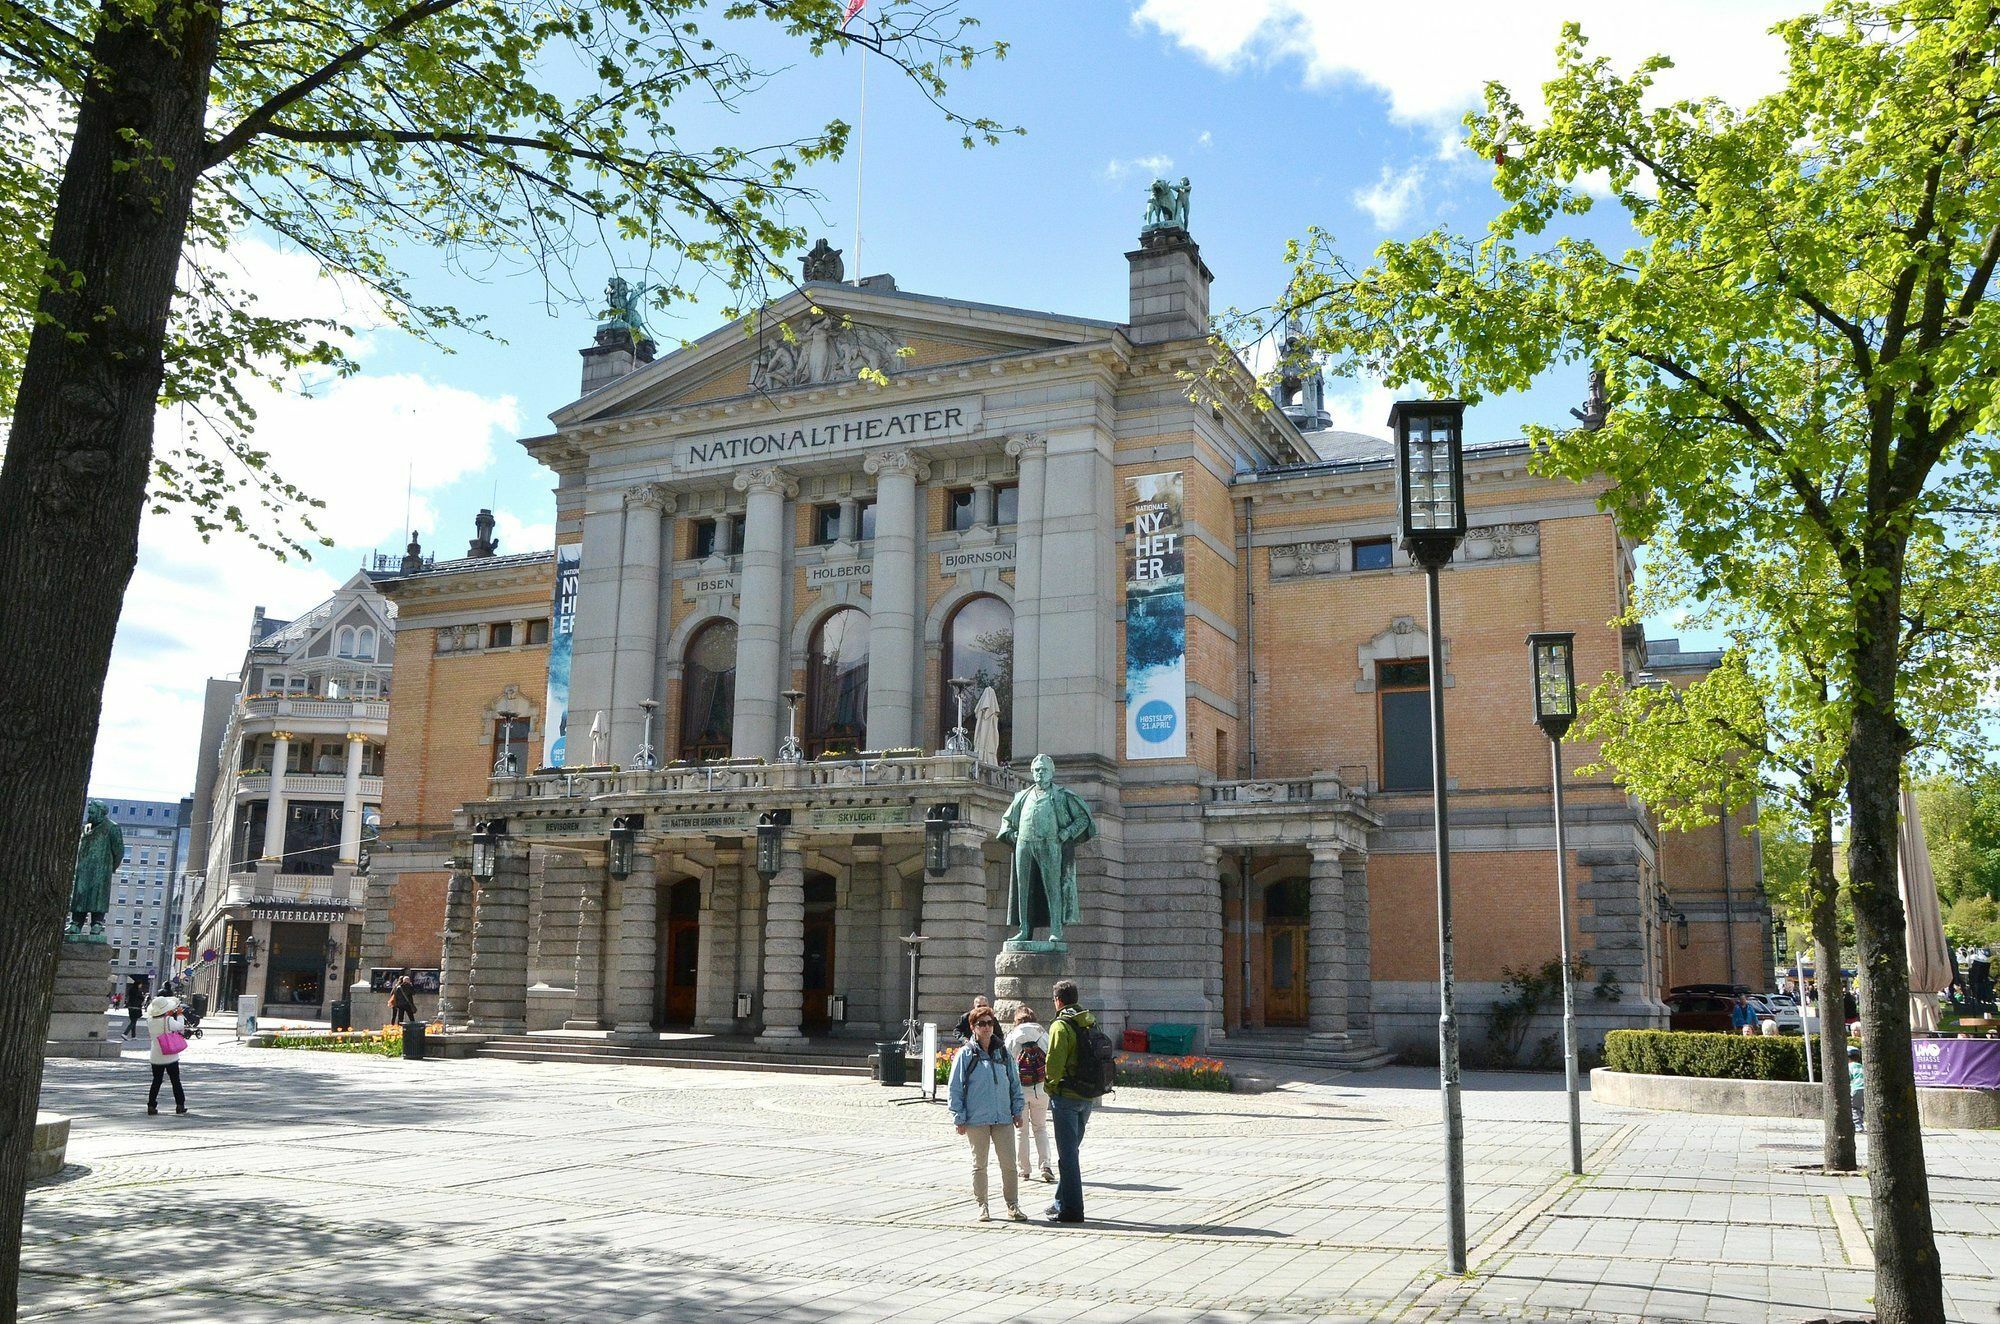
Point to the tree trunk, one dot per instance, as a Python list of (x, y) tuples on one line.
[(72, 487), (1836, 1115), (1909, 1288)]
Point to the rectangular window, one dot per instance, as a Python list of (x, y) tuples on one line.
[(825, 524), (1404, 692), (867, 519), (958, 510), (704, 539), (1007, 504), (538, 630), (500, 635), (1373, 554), (510, 737)]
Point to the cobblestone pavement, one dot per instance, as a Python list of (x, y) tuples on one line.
[(308, 1186)]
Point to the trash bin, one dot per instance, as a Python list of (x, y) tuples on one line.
[(413, 1041), (1175, 1040), (341, 1014), (199, 1002), (892, 1067)]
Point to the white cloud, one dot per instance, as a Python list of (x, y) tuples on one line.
[(1204, 139), (1390, 199), (1142, 166), (516, 535), (1359, 406), (1432, 61)]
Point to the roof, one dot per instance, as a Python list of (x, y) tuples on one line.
[(1357, 450), (297, 631), (464, 563), (1666, 655)]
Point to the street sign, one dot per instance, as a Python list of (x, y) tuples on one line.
[(181, 953)]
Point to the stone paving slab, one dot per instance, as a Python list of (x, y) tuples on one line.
[(319, 1186)]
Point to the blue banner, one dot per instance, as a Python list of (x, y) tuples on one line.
[(1155, 621), (562, 626)]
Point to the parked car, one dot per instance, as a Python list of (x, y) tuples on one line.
[(1699, 1010), (1790, 1019)]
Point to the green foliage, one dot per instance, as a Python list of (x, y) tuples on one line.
[(1527, 992), (385, 1042), (1973, 921), (1718, 1056), (1961, 816)]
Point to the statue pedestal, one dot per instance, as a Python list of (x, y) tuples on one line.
[(1026, 972), (77, 1024)]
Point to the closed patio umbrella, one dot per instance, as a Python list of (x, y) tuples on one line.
[(1923, 936)]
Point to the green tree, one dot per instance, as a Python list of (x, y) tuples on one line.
[(1973, 921), (1801, 355), (138, 136), (1961, 814)]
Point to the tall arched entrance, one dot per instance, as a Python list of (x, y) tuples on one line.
[(680, 954), (1286, 920), (819, 958)]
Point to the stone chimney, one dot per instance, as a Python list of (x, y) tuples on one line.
[(413, 555), (613, 354), (485, 544), (1169, 288)]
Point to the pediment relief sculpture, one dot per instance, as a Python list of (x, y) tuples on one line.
[(824, 348)]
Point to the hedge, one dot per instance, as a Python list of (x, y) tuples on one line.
[(1689, 1053)]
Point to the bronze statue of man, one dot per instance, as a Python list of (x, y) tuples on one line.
[(98, 855), (1045, 822)]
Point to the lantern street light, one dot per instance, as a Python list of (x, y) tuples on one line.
[(644, 758), (1552, 659), (791, 751), (624, 831), (771, 840), (486, 837), (938, 820), (958, 742), (1430, 474)]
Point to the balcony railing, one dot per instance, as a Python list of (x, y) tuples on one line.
[(1320, 786), (729, 776), (372, 710), (306, 889), (321, 785)]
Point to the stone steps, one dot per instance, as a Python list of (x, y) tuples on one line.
[(1291, 1050), (705, 1057)]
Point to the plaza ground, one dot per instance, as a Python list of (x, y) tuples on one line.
[(309, 1186)]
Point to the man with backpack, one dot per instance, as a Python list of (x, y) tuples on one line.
[(1081, 1066)]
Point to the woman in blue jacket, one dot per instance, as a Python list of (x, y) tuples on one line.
[(986, 1100)]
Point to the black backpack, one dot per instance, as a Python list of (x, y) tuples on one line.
[(1094, 1068)]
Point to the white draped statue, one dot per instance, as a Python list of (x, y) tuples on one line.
[(986, 727)]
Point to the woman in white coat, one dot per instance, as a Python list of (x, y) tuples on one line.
[(1028, 1041), (169, 1042)]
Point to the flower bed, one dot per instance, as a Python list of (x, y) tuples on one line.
[(385, 1042), (1140, 1071)]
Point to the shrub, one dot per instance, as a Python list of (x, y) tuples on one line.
[(1719, 1056)]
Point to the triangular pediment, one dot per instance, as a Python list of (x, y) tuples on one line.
[(828, 335)]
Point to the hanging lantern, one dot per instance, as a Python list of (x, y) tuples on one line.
[(771, 840), (624, 831), (938, 820), (486, 837)]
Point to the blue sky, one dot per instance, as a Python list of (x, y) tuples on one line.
[(1283, 113)]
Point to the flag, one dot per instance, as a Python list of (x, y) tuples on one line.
[(853, 8)]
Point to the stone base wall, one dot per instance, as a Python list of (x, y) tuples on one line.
[(1962, 1108), (1406, 1023)]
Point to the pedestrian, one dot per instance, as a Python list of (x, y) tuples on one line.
[(1082, 1065), (1743, 1016), (964, 1026), (1856, 1087), (169, 1042), (986, 1101), (135, 1001), (1028, 1044), (403, 999)]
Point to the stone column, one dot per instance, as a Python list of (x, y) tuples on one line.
[(785, 952), (760, 615), (724, 543), (982, 505), (1030, 453), (1326, 945), (635, 958), (850, 519), (597, 623), (892, 603), (857, 949), (637, 644), (454, 982), (499, 991), (350, 802), (715, 977), (587, 1011), (1212, 960), (274, 803), (957, 961), (1360, 978)]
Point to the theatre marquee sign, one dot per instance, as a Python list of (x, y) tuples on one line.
[(780, 441)]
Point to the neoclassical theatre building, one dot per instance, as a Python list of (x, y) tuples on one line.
[(697, 769)]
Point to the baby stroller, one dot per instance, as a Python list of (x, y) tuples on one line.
[(192, 1012)]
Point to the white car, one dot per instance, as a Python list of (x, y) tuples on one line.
[(1781, 1008)]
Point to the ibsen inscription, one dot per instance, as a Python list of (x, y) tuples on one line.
[(798, 441)]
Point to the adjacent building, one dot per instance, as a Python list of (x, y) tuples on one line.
[(289, 782), (731, 780), (138, 928)]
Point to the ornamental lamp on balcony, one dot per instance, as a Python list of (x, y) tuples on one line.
[(624, 831), (487, 834), (938, 820), (1430, 477), (771, 840), (1552, 655)]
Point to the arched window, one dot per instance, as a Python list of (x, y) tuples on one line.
[(979, 646), (344, 641), (837, 684), (708, 692), (364, 644)]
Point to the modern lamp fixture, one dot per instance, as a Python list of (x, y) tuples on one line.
[(1430, 473), (1552, 666)]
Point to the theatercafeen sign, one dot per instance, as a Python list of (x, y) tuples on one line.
[(298, 912), (803, 441)]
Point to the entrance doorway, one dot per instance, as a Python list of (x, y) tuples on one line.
[(1285, 921), (819, 954), (295, 969), (680, 954)]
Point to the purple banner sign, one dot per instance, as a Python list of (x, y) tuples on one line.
[(1958, 1063)]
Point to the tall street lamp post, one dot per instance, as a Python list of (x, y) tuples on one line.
[(1430, 472), (1552, 655)]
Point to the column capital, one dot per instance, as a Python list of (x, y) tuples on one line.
[(1027, 445), (357, 737), (651, 494), (281, 735), (1326, 853), (768, 478), (1211, 855), (903, 461)]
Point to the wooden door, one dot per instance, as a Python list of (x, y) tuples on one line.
[(1284, 972), (818, 974), (680, 953)]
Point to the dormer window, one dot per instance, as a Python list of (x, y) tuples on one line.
[(344, 642)]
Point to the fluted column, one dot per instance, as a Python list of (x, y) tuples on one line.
[(499, 991), (785, 951), (350, 801), (635, 959), (1030, 453), (274, 802), (1326, 944), (637, 647), (892, 602), (760, 615)]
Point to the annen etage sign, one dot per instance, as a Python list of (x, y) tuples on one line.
[(1155, 621), (562, 626)]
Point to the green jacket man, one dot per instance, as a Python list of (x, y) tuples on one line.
[(1070, 1024)]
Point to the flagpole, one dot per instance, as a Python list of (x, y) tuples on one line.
[(860, 155)]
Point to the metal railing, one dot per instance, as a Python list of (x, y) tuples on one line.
[(1318, 786), (372, 710), (307, 889), (334, 784)]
